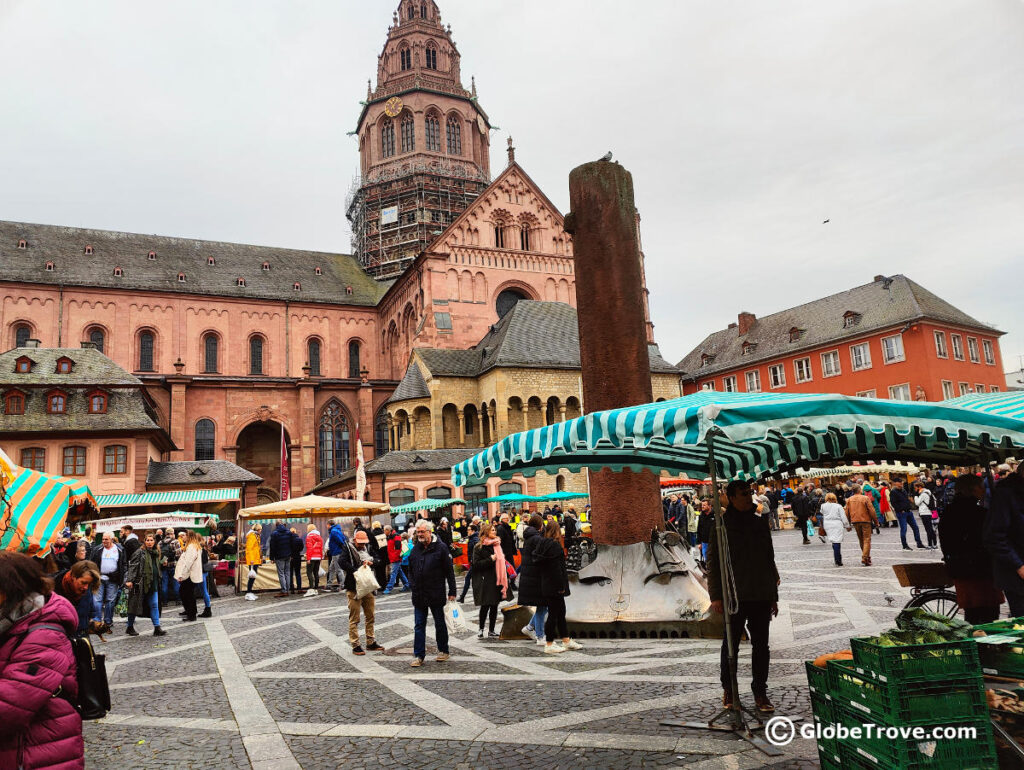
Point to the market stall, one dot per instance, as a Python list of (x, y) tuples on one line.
[(204, 522)]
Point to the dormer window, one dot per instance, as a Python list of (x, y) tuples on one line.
[(850, 319), (266, 267), (22, 244), (64, 365), (88, 251), (56, 402), (181, 278), (118, 272), (97, 402), (240, 282), (317, 270), (749, 347), (297, 286), (151, 255), (211, 261), (707, 359), (348, 290), (14, 402), (49, 267), (23, 365), (795, 334)]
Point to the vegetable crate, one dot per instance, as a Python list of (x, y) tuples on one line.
[(1001, 626), (925, 662), (883, 752), (887, 701), (1002, 654), (817, 678)]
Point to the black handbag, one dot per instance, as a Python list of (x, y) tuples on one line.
[(93, 700)]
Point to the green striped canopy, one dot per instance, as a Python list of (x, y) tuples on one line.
[(1003, 404), (556, 496), (754, 434), (430, 504), (511, 497)]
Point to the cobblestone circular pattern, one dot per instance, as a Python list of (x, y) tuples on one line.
[(117, 748)]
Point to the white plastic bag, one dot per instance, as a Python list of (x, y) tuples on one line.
[(252, 573), (366, 582), (323, 572), (455, 618)]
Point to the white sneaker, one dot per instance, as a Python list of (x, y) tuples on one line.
[(573, 645), (312, 592), (553, 649), (528, 630), (541, 641), (250, 597)]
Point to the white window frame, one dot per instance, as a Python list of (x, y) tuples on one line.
[(831, 355), (796, 370), (940, 345), (972, 350), (893, 389), (965, 388), (867, 393), (867, 357), (947, 390), (730, 384), (780, 370), (956, 342), (993, 388), (754, 374), (902, 356), (979, 388), (709, 385), (990, 352)]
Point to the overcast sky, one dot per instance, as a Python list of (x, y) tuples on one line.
[(745, 125)]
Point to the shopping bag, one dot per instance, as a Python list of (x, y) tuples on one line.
[(323, 572), (121, 608), (252, 574), (366, 582), (454, 618)]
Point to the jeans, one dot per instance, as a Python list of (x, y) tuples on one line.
[(756, 616), (206, 589), (107, 599), (555, 626), (929, 528), (837, 552), (539, 616), (284, 573), (396, 573), (335, 572), (419, 637), (773, 518), (168, 585), (905, 518), (153, 602), (296, 574), (466, 585)]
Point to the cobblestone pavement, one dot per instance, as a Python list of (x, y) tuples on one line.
[(274, 684)]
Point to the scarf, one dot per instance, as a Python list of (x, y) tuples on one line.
[(70, 587), (499, 563), (32, 603)]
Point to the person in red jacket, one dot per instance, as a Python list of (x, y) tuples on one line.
[(395, 559), (38, 675), (314, 553)]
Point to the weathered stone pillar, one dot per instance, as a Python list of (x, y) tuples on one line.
[(613, 337), (462, 428), (480, 428), (561, 413)]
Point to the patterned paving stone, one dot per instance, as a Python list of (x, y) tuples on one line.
[(253, 648), (205, 698), (109, 747), (196, 661), (349, 701), (318, 662)]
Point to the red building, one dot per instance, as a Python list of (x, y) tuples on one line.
[(890, 338)]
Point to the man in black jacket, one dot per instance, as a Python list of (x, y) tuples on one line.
[(802, 511), (129, 541), (281, 541), (904, 509), (752, 557), (430, 571), (1004, 538)]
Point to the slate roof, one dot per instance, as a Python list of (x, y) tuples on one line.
[(65, 247), (126, 411), (405, 461), (89, 368), (412, 386), (533, 335), (881, 304), (197, 472)]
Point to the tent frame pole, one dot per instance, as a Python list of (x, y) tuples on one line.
[(738, 726)]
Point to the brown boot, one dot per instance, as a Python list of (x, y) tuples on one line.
[(761, 703)]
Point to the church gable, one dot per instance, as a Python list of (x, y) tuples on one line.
[(511, 214)]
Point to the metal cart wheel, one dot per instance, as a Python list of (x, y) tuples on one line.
[(937, 600)]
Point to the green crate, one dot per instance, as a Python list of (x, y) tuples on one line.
[(918, 661), (998, 659), (1000, 626), (817, 678), (886, 701), (830, 761), (825, 713), (878, 752)]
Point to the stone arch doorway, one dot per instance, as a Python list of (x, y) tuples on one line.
[(259, 451)]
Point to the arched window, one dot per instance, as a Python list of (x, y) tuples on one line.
[(454, 136), (423, 10), (333, 441), (387, 139), (510, 488), (433, 134), (406, 57), (22, 334), (473, 495), (381, 444), (398, 497), (255, 355), (97, 338), (439, 493), (206, 433), (408, 134), (353, 360), (431, 58), (560, 483), (146, 341), (524, 238), (499, 236), (314, 357), (211, 345), (412, 12), (507, 300)]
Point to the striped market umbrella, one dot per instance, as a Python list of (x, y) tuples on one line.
[(564, 495), (1009, 404), (753, 434), (35, 505), (429, 504), (511, 497)]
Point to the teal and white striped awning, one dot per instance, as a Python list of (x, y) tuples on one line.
[(429, 504), (1009, 404), (754, 434), (173, 497)]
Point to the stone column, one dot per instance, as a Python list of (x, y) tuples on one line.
[(612, 330), (561, 413), (525, 411), (412, 433), (462, 428), (480, 428)]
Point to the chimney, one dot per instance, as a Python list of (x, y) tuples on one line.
[(879, 278), (88, 345), (32, 343), (732, 326), (746, 322)]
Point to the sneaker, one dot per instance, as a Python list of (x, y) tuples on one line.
[(553, 649), (207, 613), (821, 538), (416, 662), (727, 699), (250, 597), (311, 592), (528, 631), (761, 703), (183, 613), (922, 547), (573, 645), (541, 641), (493, 635), (281, 595), (159, 632), (357, 650), (131, 632), (374, 647), (480, 634), (907, 548), (442, 657)]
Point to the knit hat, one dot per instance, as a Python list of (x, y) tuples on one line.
[(361, 537)]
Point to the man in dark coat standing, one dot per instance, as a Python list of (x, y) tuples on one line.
[(1004, 538), (802, 512), (281, 541), (752, 557), (430, 571), (904, 509)]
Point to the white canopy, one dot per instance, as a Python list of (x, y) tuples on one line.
[(312, 505)]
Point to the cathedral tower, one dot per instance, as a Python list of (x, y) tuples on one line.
[(423, 144)]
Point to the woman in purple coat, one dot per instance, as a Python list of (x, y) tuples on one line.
[(41, 729)]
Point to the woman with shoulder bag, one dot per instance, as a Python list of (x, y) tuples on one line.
[(189, 573), (38, 672), (925, 502), (490, 578), (549, 556), (142, 579)]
